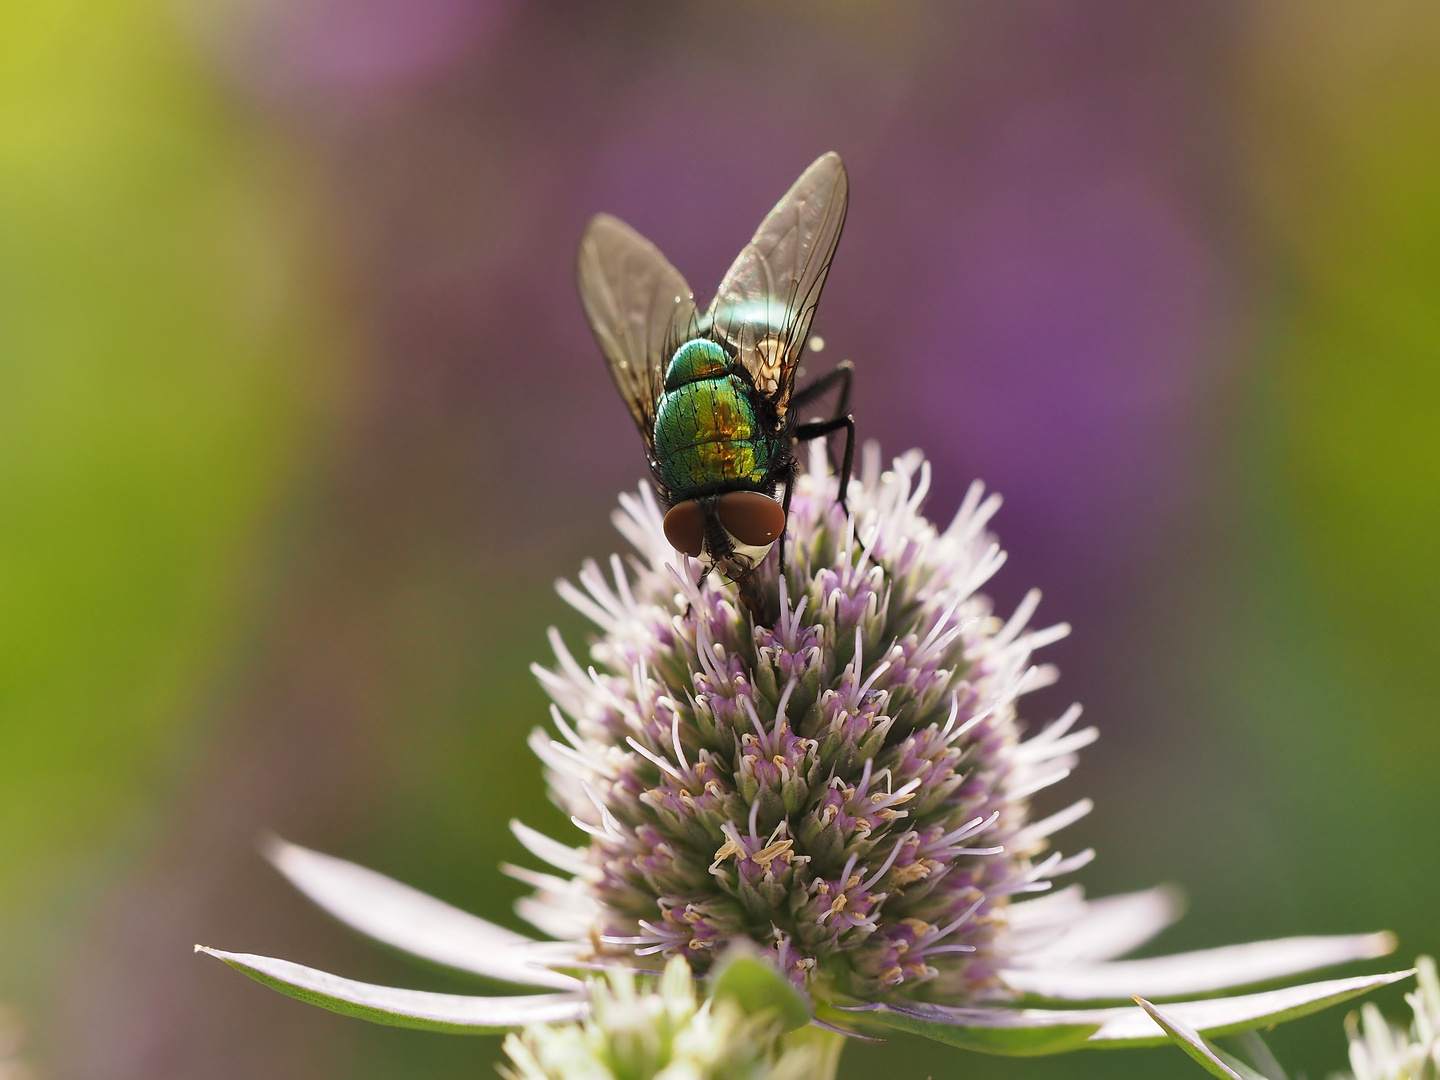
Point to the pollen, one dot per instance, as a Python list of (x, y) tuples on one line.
[(908, 875), (727, 849), (765, 856)]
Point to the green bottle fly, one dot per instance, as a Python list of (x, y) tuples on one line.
[(713, 393)]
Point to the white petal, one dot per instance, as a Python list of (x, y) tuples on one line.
[(410, 920), (1197, 972), (1106, 928), (404, 1008), (1057, 908)]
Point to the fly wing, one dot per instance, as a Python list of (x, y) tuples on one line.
[(765, 304), (636, 303)]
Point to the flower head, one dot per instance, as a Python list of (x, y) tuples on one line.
[(841, 794), (847, 788)]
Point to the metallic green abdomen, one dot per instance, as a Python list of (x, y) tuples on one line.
[(707, 438)]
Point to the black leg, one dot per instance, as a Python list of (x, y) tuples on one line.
[(841, 374), (821, 428)]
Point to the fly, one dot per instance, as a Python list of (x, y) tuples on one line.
[(713, 393)]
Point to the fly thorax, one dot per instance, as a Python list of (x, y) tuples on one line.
[(769, 362), (696, 360)]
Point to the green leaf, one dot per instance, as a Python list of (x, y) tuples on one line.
[(1010, 1032), (1189, 1040), (455, 1013), (756, 986)]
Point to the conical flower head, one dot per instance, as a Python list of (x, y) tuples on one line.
[(846, 787)]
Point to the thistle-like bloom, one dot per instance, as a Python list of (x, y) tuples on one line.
[(845, 790), (663, 1032)]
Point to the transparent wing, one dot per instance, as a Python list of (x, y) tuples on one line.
[(632, 297), (765, 304)]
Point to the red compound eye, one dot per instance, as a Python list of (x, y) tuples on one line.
[(751, 518), (685, 528)]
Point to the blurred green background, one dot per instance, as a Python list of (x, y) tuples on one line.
[(299, 420)]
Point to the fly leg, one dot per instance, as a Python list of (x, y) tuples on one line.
[(819, 429), (840, 375)]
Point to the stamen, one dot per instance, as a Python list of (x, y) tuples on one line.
[(894, 854), (880, 669), (607, 819), (1038, 784), (585, 826), (622, 581), (675, 738), (940, 935), (1054, 823), (901, 795), (864, 785), (1018, 620), (772, 852), (565, 729), (654, 759), (954, 712), (780, 706), (921, 489), (760, 733), (970, 828)]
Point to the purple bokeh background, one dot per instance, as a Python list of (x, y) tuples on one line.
[(1036, 284)]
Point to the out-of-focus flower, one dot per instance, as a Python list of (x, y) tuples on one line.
[(1378, 1049), (846, 790), (643, 1029), (1381, 1051), (12, 1041)]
